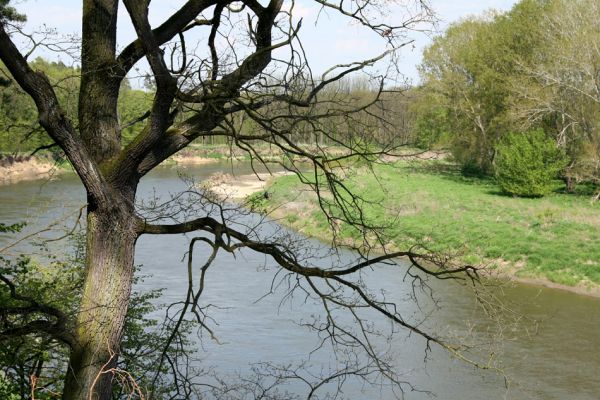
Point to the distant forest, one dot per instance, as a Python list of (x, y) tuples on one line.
[(19, 130), (385, 118), (533, 69)]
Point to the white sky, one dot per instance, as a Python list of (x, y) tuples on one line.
[(331, 41)]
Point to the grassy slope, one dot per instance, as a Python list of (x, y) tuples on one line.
[(556, 237)]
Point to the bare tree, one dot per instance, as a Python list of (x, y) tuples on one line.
[(252, 64)]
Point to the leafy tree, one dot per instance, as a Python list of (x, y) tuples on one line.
[(458, 69), (469, 73), (528, 163), (529, 68), (199, 94), (557, 88)]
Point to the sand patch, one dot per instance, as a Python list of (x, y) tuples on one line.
[(26, 169), (186, 159), (239, 187)]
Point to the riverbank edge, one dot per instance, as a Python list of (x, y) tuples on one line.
[(40, 168), (29, 169), (262, 183), (237, 188)]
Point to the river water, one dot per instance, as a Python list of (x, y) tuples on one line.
[(557, 357)]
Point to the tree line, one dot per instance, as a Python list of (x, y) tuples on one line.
[(493, 77), (385, 117)]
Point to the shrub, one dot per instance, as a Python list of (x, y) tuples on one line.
[(527, 163), (471, 169)]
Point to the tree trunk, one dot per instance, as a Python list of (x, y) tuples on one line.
[(569, 184), (111, 238)]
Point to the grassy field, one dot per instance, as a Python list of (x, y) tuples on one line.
[(556, 237)]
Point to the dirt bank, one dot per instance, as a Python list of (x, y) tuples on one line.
[(238, 187), (25, 168)]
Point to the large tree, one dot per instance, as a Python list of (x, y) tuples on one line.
[(252, 66), (558, 86), (468, 75)]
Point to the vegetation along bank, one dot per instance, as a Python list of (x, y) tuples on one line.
[(550, 240)]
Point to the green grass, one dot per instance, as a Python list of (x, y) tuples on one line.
[(556, 237)]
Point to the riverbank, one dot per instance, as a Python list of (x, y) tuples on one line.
[(16, 169), (27, 168), (21, 168), (550, 241)]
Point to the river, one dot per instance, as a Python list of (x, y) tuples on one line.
[(560, 359)]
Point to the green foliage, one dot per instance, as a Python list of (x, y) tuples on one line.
[(529, 68), (432, 204), (8, 13), (257, 202), (19, 130), (133, 104), (528, 163), (8, 391), (55, 284), (469, 75), (59, 284), (432, 128), (12, 228)]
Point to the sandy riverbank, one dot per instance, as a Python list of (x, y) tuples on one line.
[(239, 187), (27, 169)]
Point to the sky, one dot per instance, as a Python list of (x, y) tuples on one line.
[(327, 38)]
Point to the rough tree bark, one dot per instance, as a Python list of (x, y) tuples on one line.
[(111, 236)]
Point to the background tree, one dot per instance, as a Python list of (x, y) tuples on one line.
[(468, 76), (264, 74), (530, 68), (558, 87)]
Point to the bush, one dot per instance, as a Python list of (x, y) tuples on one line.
[(471, 169), (527, 163)]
